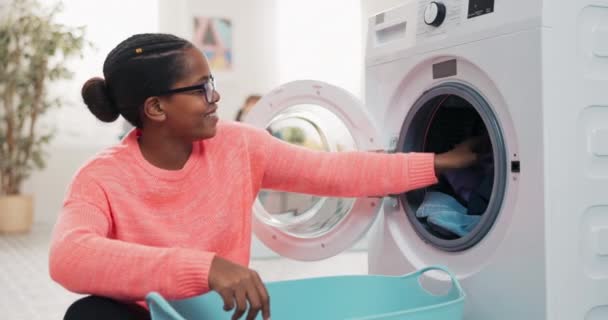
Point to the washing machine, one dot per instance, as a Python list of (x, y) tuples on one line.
[(532, 75)]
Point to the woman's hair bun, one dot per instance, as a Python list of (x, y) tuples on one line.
[(96, 96)]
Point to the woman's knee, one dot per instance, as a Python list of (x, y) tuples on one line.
[(94, 307)]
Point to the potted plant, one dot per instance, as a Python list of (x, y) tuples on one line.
[(33, 53)]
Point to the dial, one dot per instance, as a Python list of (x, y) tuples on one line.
[(434, 14)]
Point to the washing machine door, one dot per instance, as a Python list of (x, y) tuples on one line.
[(318, 116)]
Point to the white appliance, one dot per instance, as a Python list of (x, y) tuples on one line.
[(536, 74)]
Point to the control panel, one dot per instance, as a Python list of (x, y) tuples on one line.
[(432, 22)]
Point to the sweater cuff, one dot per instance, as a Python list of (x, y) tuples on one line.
[(192, 272), (421, 170)]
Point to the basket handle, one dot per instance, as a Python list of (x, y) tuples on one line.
[(455, 283)]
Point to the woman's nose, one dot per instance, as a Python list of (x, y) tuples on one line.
[(216, 96)]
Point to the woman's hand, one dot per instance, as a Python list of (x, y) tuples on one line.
[(461, 156), (237, 286)]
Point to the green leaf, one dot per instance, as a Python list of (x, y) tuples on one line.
[(38, 159)]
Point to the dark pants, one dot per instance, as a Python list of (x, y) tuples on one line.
[(94, 307)]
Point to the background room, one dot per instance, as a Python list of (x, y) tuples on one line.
[(254, 46)]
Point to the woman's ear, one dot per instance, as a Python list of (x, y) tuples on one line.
[(153, 109)]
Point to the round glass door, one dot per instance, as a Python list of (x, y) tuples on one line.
[(303, 215), (323, 118)]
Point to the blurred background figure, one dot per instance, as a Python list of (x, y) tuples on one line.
[(249, 103)]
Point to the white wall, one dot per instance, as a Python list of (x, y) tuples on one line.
[(254, 53), (79, 134), (321, 40)]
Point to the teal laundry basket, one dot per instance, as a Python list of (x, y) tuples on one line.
[(361, 297)]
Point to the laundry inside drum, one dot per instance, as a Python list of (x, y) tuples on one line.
[(458, 211), (453, 208)]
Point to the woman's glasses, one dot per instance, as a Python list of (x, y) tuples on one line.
[(207, 89)]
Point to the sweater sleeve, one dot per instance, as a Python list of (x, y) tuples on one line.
[(288, 167), (85, 259)]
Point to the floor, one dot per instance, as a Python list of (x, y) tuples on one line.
[(28, 293)]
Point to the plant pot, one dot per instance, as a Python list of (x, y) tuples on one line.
[(16, 213)]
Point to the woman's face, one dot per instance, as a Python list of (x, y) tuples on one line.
[(188, 114)]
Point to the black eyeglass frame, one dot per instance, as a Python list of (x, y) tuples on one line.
[(208, 87)]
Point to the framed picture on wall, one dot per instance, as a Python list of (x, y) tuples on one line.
[(214, 37)]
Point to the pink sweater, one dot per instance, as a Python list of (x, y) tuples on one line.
[(128, 228)]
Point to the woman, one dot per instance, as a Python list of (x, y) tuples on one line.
[(168, 209)]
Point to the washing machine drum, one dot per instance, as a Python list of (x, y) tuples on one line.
[(456, 213)]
